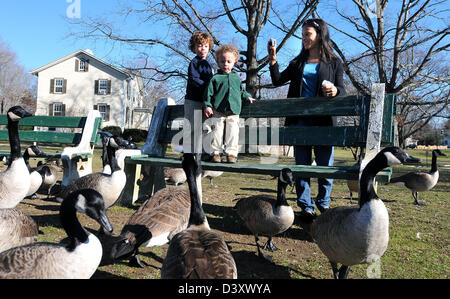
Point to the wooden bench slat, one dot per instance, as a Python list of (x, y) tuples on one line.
[(305, 171), (45, 136), (338, 106), (49, 121), (332, 136)]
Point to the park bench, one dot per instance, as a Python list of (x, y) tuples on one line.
[(77, 147), (375, 128)]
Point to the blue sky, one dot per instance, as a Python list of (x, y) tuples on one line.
[(37, 30)]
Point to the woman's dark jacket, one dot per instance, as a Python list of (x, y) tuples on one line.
[(332, 71)]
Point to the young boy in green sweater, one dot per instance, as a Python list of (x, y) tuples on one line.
[(223, 104)]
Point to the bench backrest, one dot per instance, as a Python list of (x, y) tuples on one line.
[(353, 135), (51, 122)]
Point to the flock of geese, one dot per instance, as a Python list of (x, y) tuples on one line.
[(347, 235)]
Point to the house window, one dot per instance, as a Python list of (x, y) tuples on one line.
[(82, 66), (58, 109), (59, 85), (103, 109), (102, 86)]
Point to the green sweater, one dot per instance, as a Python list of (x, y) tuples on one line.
[(225, 93)]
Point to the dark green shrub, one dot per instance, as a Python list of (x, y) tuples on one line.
[(113, 130), (137, 135)]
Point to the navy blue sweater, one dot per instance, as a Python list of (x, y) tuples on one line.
[(199, 74)]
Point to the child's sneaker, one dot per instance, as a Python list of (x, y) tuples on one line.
[(216, 158), (231, 159)]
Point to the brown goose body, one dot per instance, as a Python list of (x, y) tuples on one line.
[(156, 221), (16, 229), (197, 252), (174, 175)]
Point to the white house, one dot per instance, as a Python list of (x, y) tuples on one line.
[(79, 82)]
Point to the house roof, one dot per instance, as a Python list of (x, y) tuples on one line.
[(85, 52)]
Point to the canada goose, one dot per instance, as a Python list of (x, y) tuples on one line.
[(15, 180), (197, 252), (36, 178), (353, 235), (417, 181), (156, 221), (16, 229), (266, 215), (174, 175), (49, 170), (110, 186), (76, 260), (211, 174), (105, 161)]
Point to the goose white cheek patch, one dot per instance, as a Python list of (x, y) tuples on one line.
[(81, 204), (392, 160), (13, 116)]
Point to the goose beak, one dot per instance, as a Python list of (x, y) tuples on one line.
[(411, 159), (26, 114), (104, 222)]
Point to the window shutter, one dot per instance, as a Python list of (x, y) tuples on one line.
[(64, 86), (77, 65), (52, 85), (86, 65), (96, 87), (50, 109), (108, 111), (95, 107), (64, 110), (109, 87)]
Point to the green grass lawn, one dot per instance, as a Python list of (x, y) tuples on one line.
[(419, 235)]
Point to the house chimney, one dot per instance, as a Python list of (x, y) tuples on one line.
[(89, 51)]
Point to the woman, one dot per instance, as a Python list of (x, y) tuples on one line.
[(308, 74)]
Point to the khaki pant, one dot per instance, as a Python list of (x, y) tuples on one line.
[(228, 127), (192, 126)]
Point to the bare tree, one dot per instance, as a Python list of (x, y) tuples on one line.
[(16, 87), (403, 47), (222, 20)]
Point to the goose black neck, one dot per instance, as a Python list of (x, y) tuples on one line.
[(434, 162), (68, 216), (112, 159), (105, 155), (26, 158), (197, 215), (281, 193), (14, 141), (367, 180)]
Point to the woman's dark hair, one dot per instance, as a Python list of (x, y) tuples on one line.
[(321, 28)]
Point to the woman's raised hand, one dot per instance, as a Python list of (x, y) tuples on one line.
[(272, 51)]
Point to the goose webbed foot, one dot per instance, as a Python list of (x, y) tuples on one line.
[(343, 272), (339, 273), (269, 245), (136, 262), (260, 254), (416, 199)]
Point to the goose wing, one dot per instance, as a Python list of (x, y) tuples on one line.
[(198, 254), (30, 261), (166, 211), (419, 181), (89, 181)]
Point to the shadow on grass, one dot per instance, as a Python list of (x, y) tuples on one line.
[(251, 266)]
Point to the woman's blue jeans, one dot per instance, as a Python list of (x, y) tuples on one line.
[(324, 156)]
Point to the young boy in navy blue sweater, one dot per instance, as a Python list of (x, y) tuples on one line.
[(199, 74)]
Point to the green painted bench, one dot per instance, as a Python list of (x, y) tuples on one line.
[(77, 136), (374, 129)]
